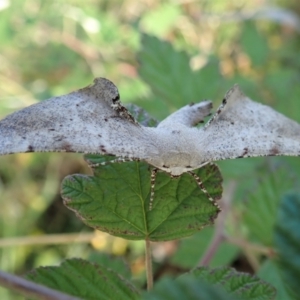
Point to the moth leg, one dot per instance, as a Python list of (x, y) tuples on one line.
[(189, 115), (203, 189), (217, 113), (117, 160), (153, 178)]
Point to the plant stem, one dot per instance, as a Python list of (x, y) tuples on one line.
[(244, 244), (30, 289), (149, 271), (50, 239), (219, 235)]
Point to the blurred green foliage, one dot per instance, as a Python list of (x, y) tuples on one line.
[(49, 48)]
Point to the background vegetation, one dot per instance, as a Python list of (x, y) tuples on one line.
[(150, 49)]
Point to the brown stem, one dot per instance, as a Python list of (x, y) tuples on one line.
[(244, 244), (47, 239), (149, 271)]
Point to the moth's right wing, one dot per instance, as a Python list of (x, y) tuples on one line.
[(244, 128)]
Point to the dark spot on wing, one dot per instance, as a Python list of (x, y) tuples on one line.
[(175, 131), (105, 119), (245, 152), (67, 147), (30, 149), (274, 151), (71, 119), (232, 123), (117, 98), (99, 135), (224, 101), (213, 217), (51, 129), (102, 149)]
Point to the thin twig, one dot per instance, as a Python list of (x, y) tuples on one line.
[(244, 244), (217, 239), (149, 271), (31, 289), (47, 239), (219, 236)]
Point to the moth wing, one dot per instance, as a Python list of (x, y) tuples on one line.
[(90, 120), (244, 128)]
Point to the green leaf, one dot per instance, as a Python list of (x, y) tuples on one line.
[(186, 288), (254, 44), (83, 279), (287, 241), (168, 73), (260, 207), (114, 263), (141, 115), (191, 249), (116, 200), (270, 273), (242, 285)]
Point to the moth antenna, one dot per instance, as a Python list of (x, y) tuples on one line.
[(217, 113), (204, 190), (153, 178), (117, 160)]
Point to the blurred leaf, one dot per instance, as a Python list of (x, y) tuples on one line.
[(254, 43), (248, 85), (281, 82), (116, 200), (109, 262), (287, 241), (191, 250), (284, 88), (132, 89), (270, 273), (188, 288), (80, 278), (260, 207), (241, 168), (168, 73), (160, 20), (242, 285), (141, 116)]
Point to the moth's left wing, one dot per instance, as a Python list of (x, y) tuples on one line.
[(244, 128), (90, 120)]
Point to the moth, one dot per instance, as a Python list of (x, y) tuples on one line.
[(93, 120)]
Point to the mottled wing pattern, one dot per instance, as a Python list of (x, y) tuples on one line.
[(244, 128), (93, 120), (90, 120)]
